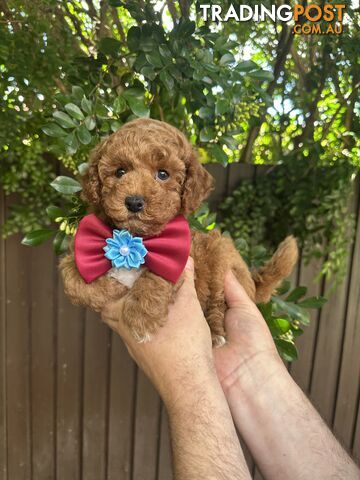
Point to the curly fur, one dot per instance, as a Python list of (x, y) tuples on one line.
[(142, 147)]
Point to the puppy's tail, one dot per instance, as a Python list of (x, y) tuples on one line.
[(280, 266)]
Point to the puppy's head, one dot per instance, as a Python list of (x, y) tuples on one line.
[(144, 175)]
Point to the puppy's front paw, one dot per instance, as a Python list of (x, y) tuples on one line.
[(143, 324)]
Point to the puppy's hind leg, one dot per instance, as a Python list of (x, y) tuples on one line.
[(234, 262), (215, 317)]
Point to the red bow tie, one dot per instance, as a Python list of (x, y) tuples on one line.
[(164, 254)]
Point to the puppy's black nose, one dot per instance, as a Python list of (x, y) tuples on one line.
[(135, 203)]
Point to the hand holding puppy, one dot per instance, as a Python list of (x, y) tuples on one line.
[(180, 353), (269, 410)]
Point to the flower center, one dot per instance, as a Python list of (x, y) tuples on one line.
[(124, 250)]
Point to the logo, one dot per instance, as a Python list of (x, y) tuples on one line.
[(326, 19)]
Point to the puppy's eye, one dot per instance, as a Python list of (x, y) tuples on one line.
[(119, 172), (162, 175)]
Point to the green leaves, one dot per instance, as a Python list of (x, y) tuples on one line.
[(84, 135), (278, 326), (219, 154), (263, 75), (53, 130), (206, 113), (71, 143), (66, 185), (53, 212), (135, 99), (207, 134), (294, 311), (110, 46), (167, 80), (283, 318), (77, 92), (119, 104), (74, 111), (133, 38), (77, 126), (37, 237), (227, 59), (86, 105), (154, 59), (313, 302), (61, 242), (203, 219), (296, 294), (64, 120), (286, 349), (246, 66), (222, 106)]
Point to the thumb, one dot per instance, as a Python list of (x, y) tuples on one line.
[(188, 283), (235, 294), (189, 272)]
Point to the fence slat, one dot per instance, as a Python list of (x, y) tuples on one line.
[(220, 174), (18, 360), (121, 411), (356, 444), (301, 368), (95, 398), (3, 403), (349, 384), (146, 430), (237, 173), (69, 381), (329, 345), (43, 293)]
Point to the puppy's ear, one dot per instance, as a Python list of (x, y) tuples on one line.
[(197, 186), (90, 181)]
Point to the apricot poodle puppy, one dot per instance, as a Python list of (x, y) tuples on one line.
[(139, 179)]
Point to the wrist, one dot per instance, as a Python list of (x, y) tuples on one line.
[(188, 386), (254, 376)]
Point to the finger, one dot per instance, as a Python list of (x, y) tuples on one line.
[(112, 316), (188, 277), (189, 270), (235, 294)]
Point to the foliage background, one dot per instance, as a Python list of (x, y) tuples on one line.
[(74, 71)]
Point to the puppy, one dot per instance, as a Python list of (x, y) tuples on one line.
[(139, 179)]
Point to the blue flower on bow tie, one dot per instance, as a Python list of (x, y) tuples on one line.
[(124, 250)]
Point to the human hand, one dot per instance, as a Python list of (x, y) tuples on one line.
[(179, 356), (249, 354)]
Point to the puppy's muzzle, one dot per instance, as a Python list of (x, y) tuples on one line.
[(135, 203)]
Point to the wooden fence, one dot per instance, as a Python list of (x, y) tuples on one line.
[(74, 406)]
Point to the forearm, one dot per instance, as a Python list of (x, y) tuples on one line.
[(285, 434), (204, 440)]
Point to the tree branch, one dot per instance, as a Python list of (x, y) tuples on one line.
[(285, 41), (308, 130), (9, 17), (184, 8), (92, 10), (101, 26), (302, 71), (172, 9), (350, 98), (77, 26), (116, 20)]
